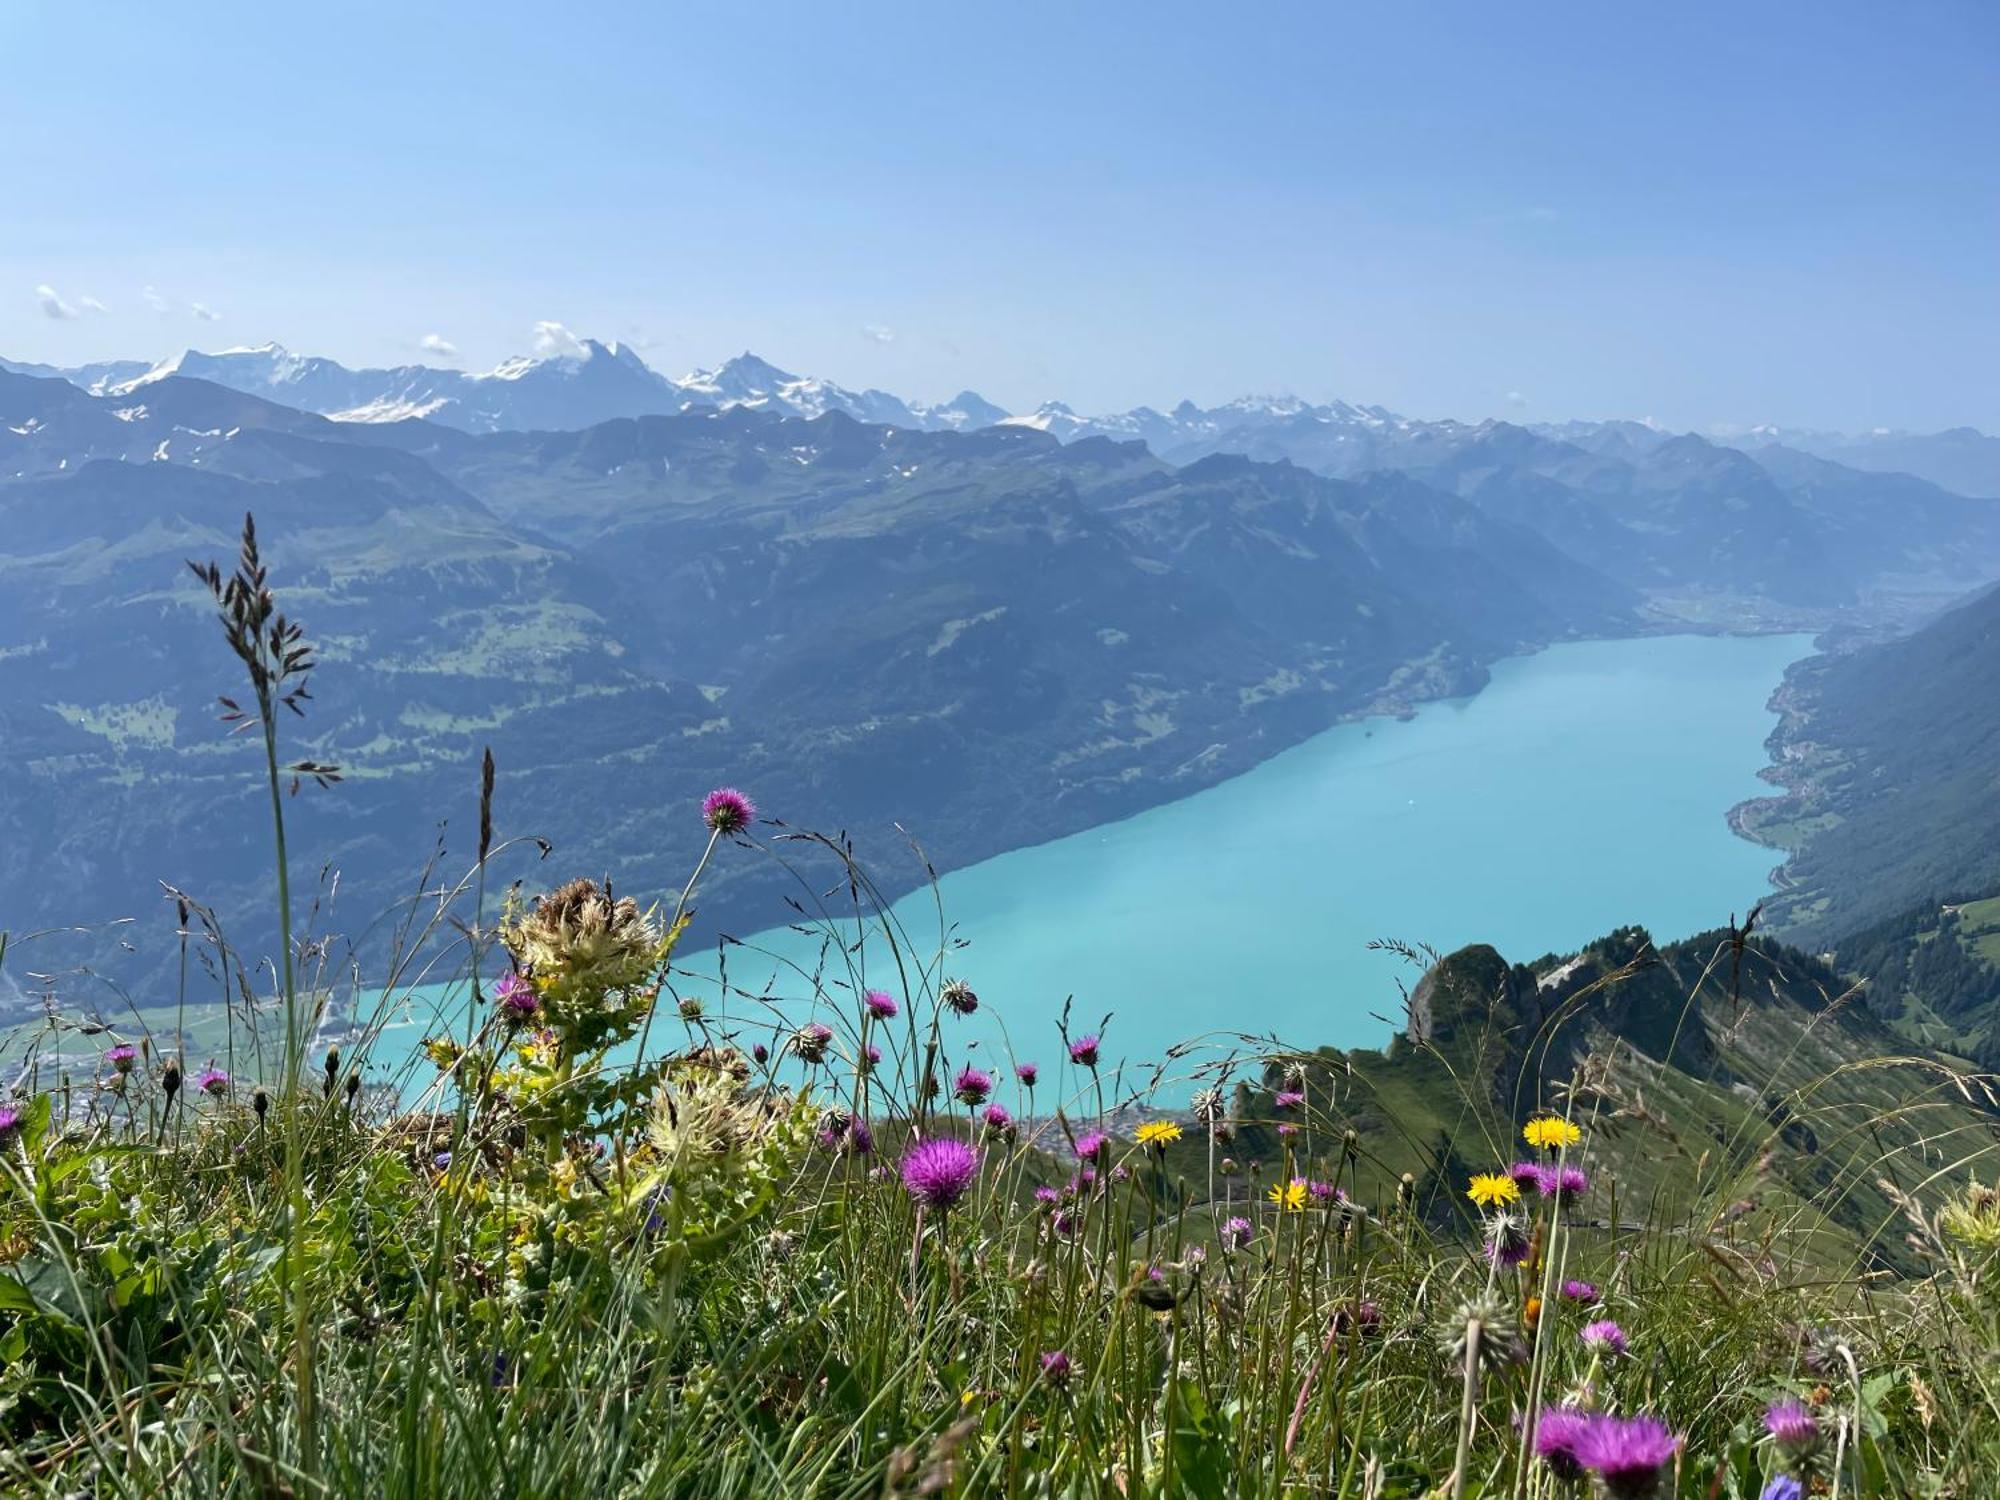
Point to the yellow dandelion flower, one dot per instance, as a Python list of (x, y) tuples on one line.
[(1290, 1196), (1550, 1133), (1491, 1189), (1159, 1134)]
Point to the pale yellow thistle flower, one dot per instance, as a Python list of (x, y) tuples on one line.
[(1491, 1189)]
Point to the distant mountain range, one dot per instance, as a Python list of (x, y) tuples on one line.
[(985, 628), (596, 382)]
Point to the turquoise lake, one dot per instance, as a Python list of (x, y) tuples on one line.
[(1584, 789)]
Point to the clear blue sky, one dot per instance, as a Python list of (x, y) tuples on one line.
[(1703, 213)]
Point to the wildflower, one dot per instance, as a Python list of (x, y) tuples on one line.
[(1499, 1335), (212, 1081), (580, 942), (1289, 1196), (443, 1051), (1093, 1146), (1325, 1192), (1286, 1132), (1083, 1051), (1288, 1098), (1207, 1106), (442, 1161), (1526, 1174), (1027, 1072), (727, 810), (1563, 1184), (860, 1139), (1579, 1291), (1491, 1189), (1236, 1233), (1603, 1337), (10, 1123), (998, 1121), (1158, 1134), (1550, 1133), (1047, 1194), (1507, 1242), (810, 1042), (1558, 1435), (1783, 1487), (972, 1085), (1056, 1368), (516, 997), (1531, 1314), (689, 1008), (1363, 1316), (938, 1172), (1062, 1224), (122, 1056), (1973, 1217), (880, 1004), (759, 1053), (958, 997), (1793, 1428), (1627, 1454)]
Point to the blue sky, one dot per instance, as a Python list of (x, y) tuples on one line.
[(1701, 213)]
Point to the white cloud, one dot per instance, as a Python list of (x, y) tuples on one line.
[(155, 301), (206, 313), (1515, 398), (91, 304), (437, 343), (52, 304), (553, 338), (879, 334)]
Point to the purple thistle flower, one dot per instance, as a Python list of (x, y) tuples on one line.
[(938, 1172), (958, 997), (973, 1085), (997, 1119), (1288, 1098), (1559, 1434), (1363, 1315), (1236, 1233), (1322, 1192), (811, 1040), (10, 1123), (1056, 1368), (1579, 1291), (1783, 1487), (1083, 1051), (1047, 1194), (1627, 1454), (517, 998), (759, 1053), (212, 1081), (1792, 1427), (122, 1056), (727, 810), (1286, 1132), (1027, 1072), (872, 1053), (881, 1005), (1063, 1224), (1564, 1184), (1603, 1337), (1526, 1174), (860, 1139), (1093, 1146)]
